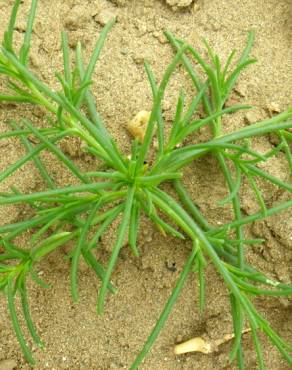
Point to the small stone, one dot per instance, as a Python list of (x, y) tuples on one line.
[(285, 302), (124, 51), (139, 59), (38, 111), (72, 146), (166, 105), (141, 27), (119, 2), (171, 266), (73, 40), (273, 108), (114, 366), (155, 144), (148, 239), (214, 25), (105, 16), (8, 365), (232, 100), (78, 36), (21, 27), (160, 37), (77, 18), (94, 8), (179, 3), (196, 7), (241, 89), (250, 117), (35, 60)]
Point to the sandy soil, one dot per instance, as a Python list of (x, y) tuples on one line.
[(74, 336)]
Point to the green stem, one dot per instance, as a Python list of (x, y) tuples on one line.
[(166, 311)]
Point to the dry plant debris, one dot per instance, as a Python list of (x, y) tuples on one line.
[(138, 125), (202, 345)]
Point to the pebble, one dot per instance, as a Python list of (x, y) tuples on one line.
[(166, 105), (138, 59), (285, 302), (124, 51), (8, 365), (35, 60), (72, 146), (148, 239), (21, 26), (273, 108), (241, 89), (77, 18), (78, 36), (179, 3), (105, 16), (250, 117), (233, 100), (155, 144), (141, 27), (160, 37), (119, 2), (196, 7)]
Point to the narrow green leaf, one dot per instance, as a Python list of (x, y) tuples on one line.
[(258, 348), (107, 218), (78, 250), (55, 150), (237, 319), (38, 163), (177, 122), (37, 280), (156, 106), (14, 167), (134, 226), (95, 55), (49, 245), (116, 249), (160, 121), (24, 51), (93, 188), (27, 316), (8, 37), (97, 267), (166, 311), (16, 324), (66, 59)]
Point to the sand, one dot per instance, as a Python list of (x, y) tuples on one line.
[(74, 336)]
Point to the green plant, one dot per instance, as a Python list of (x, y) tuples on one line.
[(125, 187)]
